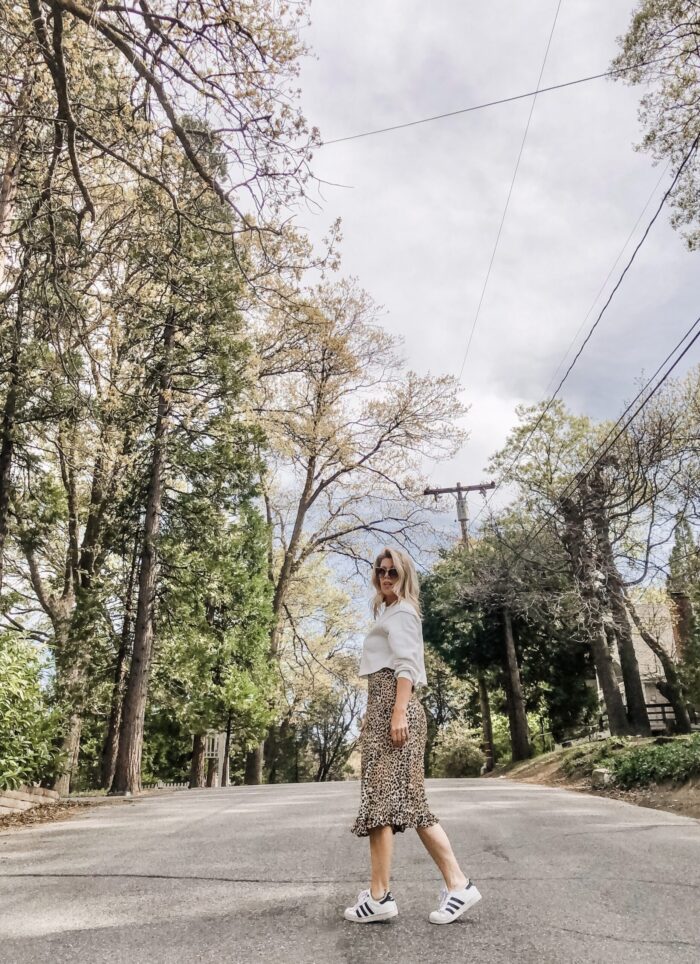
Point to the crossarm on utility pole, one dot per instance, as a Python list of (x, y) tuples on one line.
[(460, 489)]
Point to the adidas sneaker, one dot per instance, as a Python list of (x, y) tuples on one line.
[(453, 903), (367, 909)]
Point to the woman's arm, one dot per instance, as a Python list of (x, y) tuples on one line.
[(405, 642), (399, 720)]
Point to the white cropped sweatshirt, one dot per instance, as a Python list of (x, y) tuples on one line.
[(396, 640)]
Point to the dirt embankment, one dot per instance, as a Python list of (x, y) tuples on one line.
[(40, 814), (572, 768)]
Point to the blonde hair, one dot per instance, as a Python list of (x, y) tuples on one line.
[(406, 586)]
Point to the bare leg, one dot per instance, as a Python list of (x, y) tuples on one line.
[(381, 845), (437, 843)]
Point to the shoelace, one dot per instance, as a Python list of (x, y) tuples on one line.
[(363, 895)]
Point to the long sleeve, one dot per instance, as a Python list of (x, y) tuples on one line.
[(406, 643)]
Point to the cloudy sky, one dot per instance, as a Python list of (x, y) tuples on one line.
[(422, 206)]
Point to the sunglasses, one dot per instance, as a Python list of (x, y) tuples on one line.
[(390, 573)]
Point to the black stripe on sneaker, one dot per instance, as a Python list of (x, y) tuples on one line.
[(385, 899), (457, 900)]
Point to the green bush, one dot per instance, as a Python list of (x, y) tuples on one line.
[(456, 752), (584, 758), (676, 760), (26, 723)]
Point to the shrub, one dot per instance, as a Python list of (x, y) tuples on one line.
[(456, 752), (26, 723), (675, 760), (583, 759)]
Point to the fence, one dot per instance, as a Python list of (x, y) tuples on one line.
[(163, 785), (662, 717)]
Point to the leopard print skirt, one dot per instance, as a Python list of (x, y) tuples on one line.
[(392, 790)]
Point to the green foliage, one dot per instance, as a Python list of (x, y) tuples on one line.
[(684, 560), (457, 752), (684, 579), (634, 762), (501, 736), (26, 722), (463, 597), (677, 760), (661, 48), (581, 760)]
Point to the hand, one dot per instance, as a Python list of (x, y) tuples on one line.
[(399, 728), (362, 728)]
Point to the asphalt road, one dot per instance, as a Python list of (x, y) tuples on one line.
[(264, 873)]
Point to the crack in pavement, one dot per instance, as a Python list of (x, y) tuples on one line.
[(588, 878), (621, 940)]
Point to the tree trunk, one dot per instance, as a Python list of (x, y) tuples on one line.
[(682, 622), (486, 727), (520, 741), (111, 746), (8, 189), (255, 758), (254, 764), (70, 747), (271, 751), (673, 689), (127, 776), (212, 772), (197, 765), (583, 568), (605, 671), (69, 690), (227, 754), (632, 681), (8, 432)]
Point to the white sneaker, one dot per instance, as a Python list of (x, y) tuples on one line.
[(453, 903), (367, 909)]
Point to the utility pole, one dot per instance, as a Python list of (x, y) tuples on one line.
[(462, 513), (463, 517)]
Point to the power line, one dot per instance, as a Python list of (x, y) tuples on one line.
[(493, 103), (608, 276), (510, 192), (595, 324), (582, 475)]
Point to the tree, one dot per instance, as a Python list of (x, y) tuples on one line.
[(591, 507), (482, 605), (320, 693), (661, 48), (198, 409), (26, 722), (346, 427)]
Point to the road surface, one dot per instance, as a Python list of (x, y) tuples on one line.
[(264, 873)]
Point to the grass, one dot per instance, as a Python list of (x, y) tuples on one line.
[(633, 761)]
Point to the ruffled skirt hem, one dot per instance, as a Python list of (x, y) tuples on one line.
[(398, 823)]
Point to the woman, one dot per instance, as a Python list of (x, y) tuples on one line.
[(393, 738)]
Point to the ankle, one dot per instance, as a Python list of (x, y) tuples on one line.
[(382, 891), (457, 881)]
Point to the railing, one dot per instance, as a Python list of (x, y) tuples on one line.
[(663, 718), (165, 785)]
